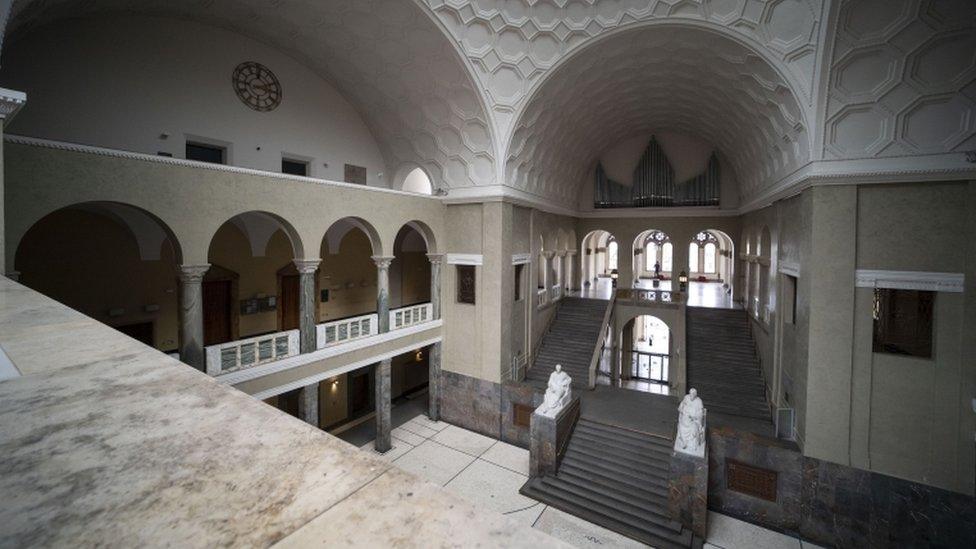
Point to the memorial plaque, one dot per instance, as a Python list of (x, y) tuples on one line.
[(522, 415), (355, 174), (465, 284), (750, 480)]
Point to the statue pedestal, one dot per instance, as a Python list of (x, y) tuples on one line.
[(549, 433), (688, 491)]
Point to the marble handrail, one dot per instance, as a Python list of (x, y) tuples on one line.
[(346, 329), (410, 315), (250, 352)]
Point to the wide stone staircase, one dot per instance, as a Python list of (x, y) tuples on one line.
[(570, 341), (618, 479), (723, 365)]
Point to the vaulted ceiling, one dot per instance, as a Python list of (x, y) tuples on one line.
[(523, 95)]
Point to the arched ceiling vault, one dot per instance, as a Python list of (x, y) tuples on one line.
[(389, 58), (663, 77)]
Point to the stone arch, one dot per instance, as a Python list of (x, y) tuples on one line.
[(411, 177), (259, 226), (338, 229), (426, 232)]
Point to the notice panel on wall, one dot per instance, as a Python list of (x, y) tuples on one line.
[(750, 480), (355, 174)]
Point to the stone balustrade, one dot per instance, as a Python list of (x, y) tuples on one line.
[(253, 351)]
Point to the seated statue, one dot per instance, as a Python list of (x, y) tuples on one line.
[(691, 425), (558, 393)]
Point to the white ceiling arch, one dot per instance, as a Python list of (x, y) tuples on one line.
[(391, 59), (695, 78)]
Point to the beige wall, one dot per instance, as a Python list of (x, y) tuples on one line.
[(349, 274)]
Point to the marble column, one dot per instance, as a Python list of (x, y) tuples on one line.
[(436, 260), (191, 315), (306, 303), (383, 292), (615, 367), (563, 285), (383, 427), (434, 383), (570, 264), (549, 280), (308, 404)]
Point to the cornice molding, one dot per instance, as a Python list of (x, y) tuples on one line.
[(910, 280), (521, 259), (240, 376), (320, 377), (465, 259), (791, 268), (180, 162), (11, 101)]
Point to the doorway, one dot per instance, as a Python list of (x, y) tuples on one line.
[(217, 300)]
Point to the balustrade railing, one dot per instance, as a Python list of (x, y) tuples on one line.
[(556, 292), (541, 297), (346, 329), (658, 296), (410, 315), (250, 352)]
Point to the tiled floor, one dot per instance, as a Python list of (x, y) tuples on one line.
[(489, 473)]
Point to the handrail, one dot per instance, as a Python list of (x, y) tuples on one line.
[(410, 315), (250, 352), (346, 329), (598, 350), (541, 297)]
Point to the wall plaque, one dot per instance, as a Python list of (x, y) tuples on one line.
[(465, 284), (522, 415), (355, 174), (750, 480)]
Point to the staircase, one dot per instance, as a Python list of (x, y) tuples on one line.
[(723, 365), (618, 479), (570, 341)]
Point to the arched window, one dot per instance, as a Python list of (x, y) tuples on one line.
[(710, 252), (418, 182), (612, 255), (667, 257), (693, 257), (650, 253)]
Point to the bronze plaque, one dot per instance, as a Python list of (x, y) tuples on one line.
[(465, 284), (522, 415), (750, 480), (355, 174)]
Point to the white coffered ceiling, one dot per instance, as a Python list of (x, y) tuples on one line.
[(523, 95)]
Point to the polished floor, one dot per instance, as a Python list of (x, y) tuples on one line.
[(488, 473)]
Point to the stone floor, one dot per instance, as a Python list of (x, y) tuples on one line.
[(488, 474)]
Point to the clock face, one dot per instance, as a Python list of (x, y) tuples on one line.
[(257, 86)]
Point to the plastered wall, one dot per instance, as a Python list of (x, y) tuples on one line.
[(130, 97)]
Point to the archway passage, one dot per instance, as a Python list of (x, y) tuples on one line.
[(646, 355), (653, 258), (711, 269), (251, 287), (410, 271), (599, 262), (348, 273), (113, 262)]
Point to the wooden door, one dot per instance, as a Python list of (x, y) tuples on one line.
[(290, 314), (217, 303), (358, 394)]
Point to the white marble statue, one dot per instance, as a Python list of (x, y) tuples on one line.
[(558, 393), (691, 425)]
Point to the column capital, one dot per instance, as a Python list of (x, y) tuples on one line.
[(548, 255), (192, 274), (306, 266), (571, 253), (436, 258), (10, 102), (382, 261), (561, 254)]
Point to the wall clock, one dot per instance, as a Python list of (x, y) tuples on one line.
[(257, 86)]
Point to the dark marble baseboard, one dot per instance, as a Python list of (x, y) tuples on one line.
[(517, 394), (471, 403), (836, 505)]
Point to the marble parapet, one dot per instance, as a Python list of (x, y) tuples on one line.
[(106, 442)]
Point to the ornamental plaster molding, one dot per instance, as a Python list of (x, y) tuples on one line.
[(910, 280), (465, 259), (382, 261), (521, 259), (306, 266), (192, 274), (436, 259)]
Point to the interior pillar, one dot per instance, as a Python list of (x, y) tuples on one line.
[(547, 278), (436, 260), (434, 383), (570, 278), (383, 292), (306, 305), (191, 315), (383, 438), (11, 101), (308, 404)]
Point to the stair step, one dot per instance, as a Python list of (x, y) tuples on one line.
[(623, 503)]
